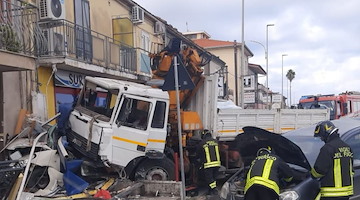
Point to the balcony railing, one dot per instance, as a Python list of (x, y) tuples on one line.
[(19, 30), (66, 39)]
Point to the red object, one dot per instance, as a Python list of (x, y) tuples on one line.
[(176, 161), (340, 105), (104, 194)]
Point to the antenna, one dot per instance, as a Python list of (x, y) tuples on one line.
[(187, 28)]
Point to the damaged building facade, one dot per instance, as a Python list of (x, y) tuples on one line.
[(47, 47)]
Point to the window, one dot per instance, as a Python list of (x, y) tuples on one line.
[(123, 31), (83, 30), (338, 109), (145, 46), (159, 115), (349, 109), (134, 113), (354, 143), (99, 100)]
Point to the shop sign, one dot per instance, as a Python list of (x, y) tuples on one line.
[(276, 98), (69, 79), (249, 97)]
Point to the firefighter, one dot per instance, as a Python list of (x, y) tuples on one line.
[(209, 159), (264, 175), (333, 165)]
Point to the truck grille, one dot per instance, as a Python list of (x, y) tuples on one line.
[(79, 143)]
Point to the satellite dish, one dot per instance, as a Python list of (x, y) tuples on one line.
[(56, 8)]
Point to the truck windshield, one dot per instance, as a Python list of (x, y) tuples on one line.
[(98, 100), (320, 105)]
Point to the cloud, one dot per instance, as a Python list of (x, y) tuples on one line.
[(321, 38)]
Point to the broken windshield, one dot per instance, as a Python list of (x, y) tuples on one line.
[(98, 100)]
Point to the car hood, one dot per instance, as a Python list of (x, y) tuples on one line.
[(254, 138)]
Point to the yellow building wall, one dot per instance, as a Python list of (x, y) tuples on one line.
[(69, 10), (44, 73), (102, 14)]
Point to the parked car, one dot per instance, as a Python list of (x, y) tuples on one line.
[(299, 149)]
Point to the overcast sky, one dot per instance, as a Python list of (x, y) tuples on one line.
[(321, 37)]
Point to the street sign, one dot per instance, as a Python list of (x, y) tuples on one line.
[(185, 81)]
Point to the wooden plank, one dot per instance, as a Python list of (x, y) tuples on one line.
[(20, 122), (15, 188)]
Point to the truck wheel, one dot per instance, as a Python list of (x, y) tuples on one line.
[(156, 169)]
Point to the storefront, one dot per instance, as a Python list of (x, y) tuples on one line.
[(67, 86)]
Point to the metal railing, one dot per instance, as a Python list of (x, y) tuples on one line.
[(66, 39), (19, 30)]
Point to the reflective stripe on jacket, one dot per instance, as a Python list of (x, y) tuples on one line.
[(265, 170), (209, 153), (334, 168)]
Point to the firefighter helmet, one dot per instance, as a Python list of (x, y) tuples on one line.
[(324, 129), (264, 150), (205, 133)]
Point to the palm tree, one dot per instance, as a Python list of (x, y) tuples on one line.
[(290, 75)]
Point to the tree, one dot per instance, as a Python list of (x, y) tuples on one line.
[(290, 75)]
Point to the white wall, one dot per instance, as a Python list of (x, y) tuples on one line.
[(13, 98)]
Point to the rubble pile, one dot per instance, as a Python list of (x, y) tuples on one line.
[(37, 163)]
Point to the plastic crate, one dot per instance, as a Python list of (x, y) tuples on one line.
[(9, 172)]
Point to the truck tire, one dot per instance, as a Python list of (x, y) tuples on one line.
[(156, 169)]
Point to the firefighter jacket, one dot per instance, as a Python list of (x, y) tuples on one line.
[(334, 168), (267, 169), (208, 153)]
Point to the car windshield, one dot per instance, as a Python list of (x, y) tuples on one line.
[(310, 146), (321, 105)]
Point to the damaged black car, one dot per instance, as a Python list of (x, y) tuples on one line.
[(299, 149)]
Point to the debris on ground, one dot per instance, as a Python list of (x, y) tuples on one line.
[(55, 172)]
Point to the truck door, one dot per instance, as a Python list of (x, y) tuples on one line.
[(130, 129)]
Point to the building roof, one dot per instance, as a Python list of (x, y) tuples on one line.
[(257, 69), (213, 43), (197, 32), (209, 43)]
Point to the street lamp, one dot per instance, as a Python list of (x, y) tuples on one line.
[(266, 69), (267, 64), (282, 79)]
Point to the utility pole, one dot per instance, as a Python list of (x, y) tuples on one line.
[(267, 64), (282, 80), (242, 57), (236, 74)]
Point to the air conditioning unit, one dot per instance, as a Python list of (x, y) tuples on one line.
[(52, 9), (159, 28), (56, 43), (137, 14)]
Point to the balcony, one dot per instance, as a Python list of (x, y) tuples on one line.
[(18, 35), (74, 47)]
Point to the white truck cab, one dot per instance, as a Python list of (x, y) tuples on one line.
[(119, 122)]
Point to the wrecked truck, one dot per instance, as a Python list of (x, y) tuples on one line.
[(123, 125)]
